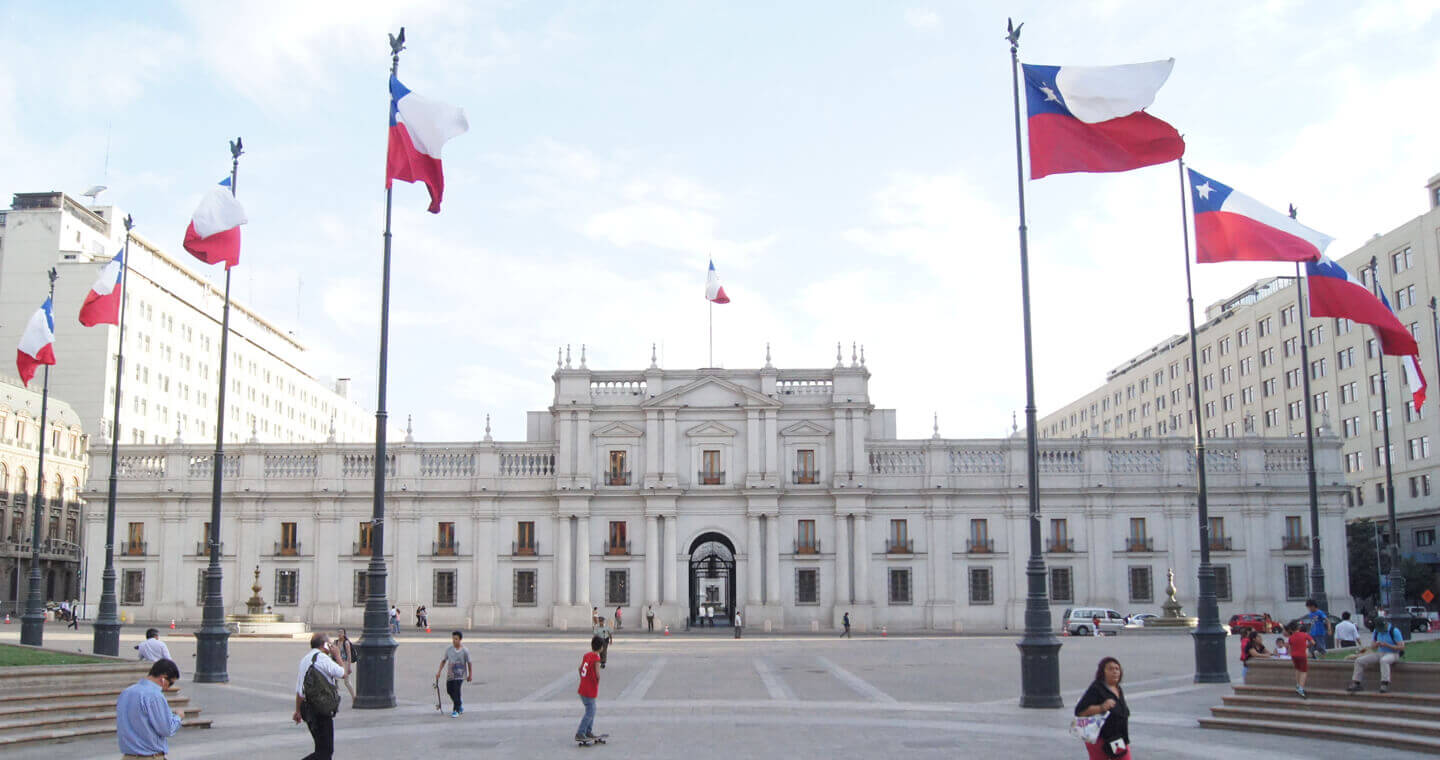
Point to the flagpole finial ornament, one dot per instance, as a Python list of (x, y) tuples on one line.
[(53, 276), (129, 222), (397, 43), (1013, 33), (237, 149)]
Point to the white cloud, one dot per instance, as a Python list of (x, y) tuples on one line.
[(923, 19)]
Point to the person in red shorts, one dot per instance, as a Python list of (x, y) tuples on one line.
[(1300, 657), (589, 690)]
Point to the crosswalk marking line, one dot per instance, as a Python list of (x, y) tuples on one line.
[(777, 688), (856, 683), (635, 690), (551, 689)]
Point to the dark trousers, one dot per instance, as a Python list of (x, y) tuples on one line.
[(322, 730), (604, 651), (846, 632), (650, 621), (452, 687)]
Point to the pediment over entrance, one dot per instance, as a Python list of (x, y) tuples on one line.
[(617, 430), (805, 428), (712, 392), (711, 429)]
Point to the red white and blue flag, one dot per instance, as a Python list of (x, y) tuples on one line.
[(214, 232), (37, 343), (1092, 118), (419, 128), (1334, 293), (1414, 379), (1231, 226), (102, 303), (714, 291)]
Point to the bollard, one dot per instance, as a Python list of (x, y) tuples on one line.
[(667, 627)]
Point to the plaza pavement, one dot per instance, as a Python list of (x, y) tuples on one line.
[(709, 695)]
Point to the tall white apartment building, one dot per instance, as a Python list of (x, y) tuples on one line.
[(1252, 377), (172, 338)]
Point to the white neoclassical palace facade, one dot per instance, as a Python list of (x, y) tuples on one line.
[(781, 493)]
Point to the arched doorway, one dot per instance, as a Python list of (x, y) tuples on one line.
[(712, 577)]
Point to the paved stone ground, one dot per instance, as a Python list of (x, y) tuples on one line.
[(711, 695)]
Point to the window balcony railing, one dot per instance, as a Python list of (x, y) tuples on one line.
[(22, 499), (361, 550), (617, 478), (524, 549), (806, 477), (980, 546), (616, 548), (133, 548), (1135, 544), (283, 549), (1220, 544), (1060, 545), (899, 546), (808, 546), (202, 548), (711, 477), (444, 548), (1291, 543)]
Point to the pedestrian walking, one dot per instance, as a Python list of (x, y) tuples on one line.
[(1318, 626), (1346, 633), (650, 618), (1106, 696), (594, 616), (1095, 624), (845, 634), (144, 721), (1387, 645), (739, 624), (152, 648), (602, 632), (589, 688), (1299, 644), (422, 617), (74, 615), (710, 615), (394, 620), (456, 664), (618, 623), (346, 649), (314, 703)]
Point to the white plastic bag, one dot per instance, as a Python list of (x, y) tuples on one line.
[(1088, 729)]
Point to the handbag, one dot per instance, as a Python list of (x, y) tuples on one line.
[(1087, 729)]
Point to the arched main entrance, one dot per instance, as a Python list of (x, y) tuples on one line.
[(712, 577)]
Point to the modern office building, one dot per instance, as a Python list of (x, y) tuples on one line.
[(67, 453), (172, 338), (783, 493), (1251, 378)]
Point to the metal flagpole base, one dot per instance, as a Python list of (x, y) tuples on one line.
[(1039, 648), (107, 638)]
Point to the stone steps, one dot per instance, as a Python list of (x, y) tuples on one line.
[(1346, 704), (1339, 718), (71, 702), (1341, 734), (1363, 697)]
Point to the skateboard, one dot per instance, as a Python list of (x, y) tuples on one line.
[(437, 694), (597, 739)]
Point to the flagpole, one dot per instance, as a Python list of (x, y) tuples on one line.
[(1317, 571), (1398, 615), (32, 623), (212, 641), (1039, 649), (375, 682), (712, 333), (1210, 665), (107, 619)]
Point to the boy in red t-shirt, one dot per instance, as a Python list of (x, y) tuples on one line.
[(1300, 657), (589, 689)]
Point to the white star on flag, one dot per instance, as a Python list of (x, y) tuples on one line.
[(1204, 191), (1049, 94)]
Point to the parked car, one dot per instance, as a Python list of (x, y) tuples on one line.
[(1139, 619), (1080, 621), (1255, 621), (1422, 620)]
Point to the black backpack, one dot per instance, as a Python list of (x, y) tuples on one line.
[(320, 694)]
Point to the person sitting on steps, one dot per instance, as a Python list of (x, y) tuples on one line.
[(1386, 647)]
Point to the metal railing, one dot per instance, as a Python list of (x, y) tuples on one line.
[(1220, 543), (900, 546), (283, 549), (1060, 545), (616, 478), (444, 548), (616, 547), (133, 548), (710, 478), (530, 549), (360, 550), (1292, 543), (980, 546), (202, 548), (1134, 544), (805, 477), (810, 546)]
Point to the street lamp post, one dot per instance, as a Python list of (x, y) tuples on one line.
[(107, 621), (1398, 615)]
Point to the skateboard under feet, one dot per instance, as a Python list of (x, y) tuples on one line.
[(597, 739)]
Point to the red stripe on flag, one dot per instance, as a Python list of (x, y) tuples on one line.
[(1062, 144)]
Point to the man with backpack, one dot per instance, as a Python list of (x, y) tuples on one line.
[(1387, 646), (316, 697)]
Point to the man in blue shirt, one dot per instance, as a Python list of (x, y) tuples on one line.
[(1317, 619), (1386, 646), (143, 718)]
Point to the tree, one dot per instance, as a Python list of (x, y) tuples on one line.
[(1364, 573)]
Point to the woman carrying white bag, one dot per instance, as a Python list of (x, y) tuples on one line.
[(1104, 704)]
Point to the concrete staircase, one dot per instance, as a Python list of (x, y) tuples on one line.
[(56, 703), (1406, 718)]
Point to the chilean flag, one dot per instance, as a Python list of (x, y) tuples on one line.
[(102, 303), (1414, 378), (419, 128), (1091, 118), (714, 292), (1334, 293), (1231, 226), (214, 232), (37, 343)]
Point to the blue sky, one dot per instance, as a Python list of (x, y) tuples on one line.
[(850, 167)]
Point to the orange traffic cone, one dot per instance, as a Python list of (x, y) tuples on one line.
[(882, 631), (427, 628), (172, 624), (667, 627), (7, 618)]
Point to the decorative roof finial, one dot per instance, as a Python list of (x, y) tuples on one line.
[(567, 356), (558, 365), (331, 439), (854, 361), (862, 354), (768, 365), (254, 433), (582, 356), (937, 426), (487, 428), (409, 428), (178, 440), (839, 362), (653, 364), (1014, 425)]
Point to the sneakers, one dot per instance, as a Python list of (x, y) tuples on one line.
[(1384, 686), (1354, 687), (1301, 691), (454, 713), (460, 710), (581, 738)]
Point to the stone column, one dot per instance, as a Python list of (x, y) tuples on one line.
[(753, 558), (170, 599), (671, 562), (752, 445), (652, 447), (483, 564), (862, 558), (403, 570), (842, 560), (324, 605), (562, 561), (772, 560), (652, 560), (940, 557), (772, 446), (582, 561), (672, 449)]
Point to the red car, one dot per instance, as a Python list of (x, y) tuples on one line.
[(1254, 621)]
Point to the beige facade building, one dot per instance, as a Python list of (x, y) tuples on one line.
[(1251, 378)]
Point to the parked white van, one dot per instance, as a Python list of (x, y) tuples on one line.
[(1080, 621)]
